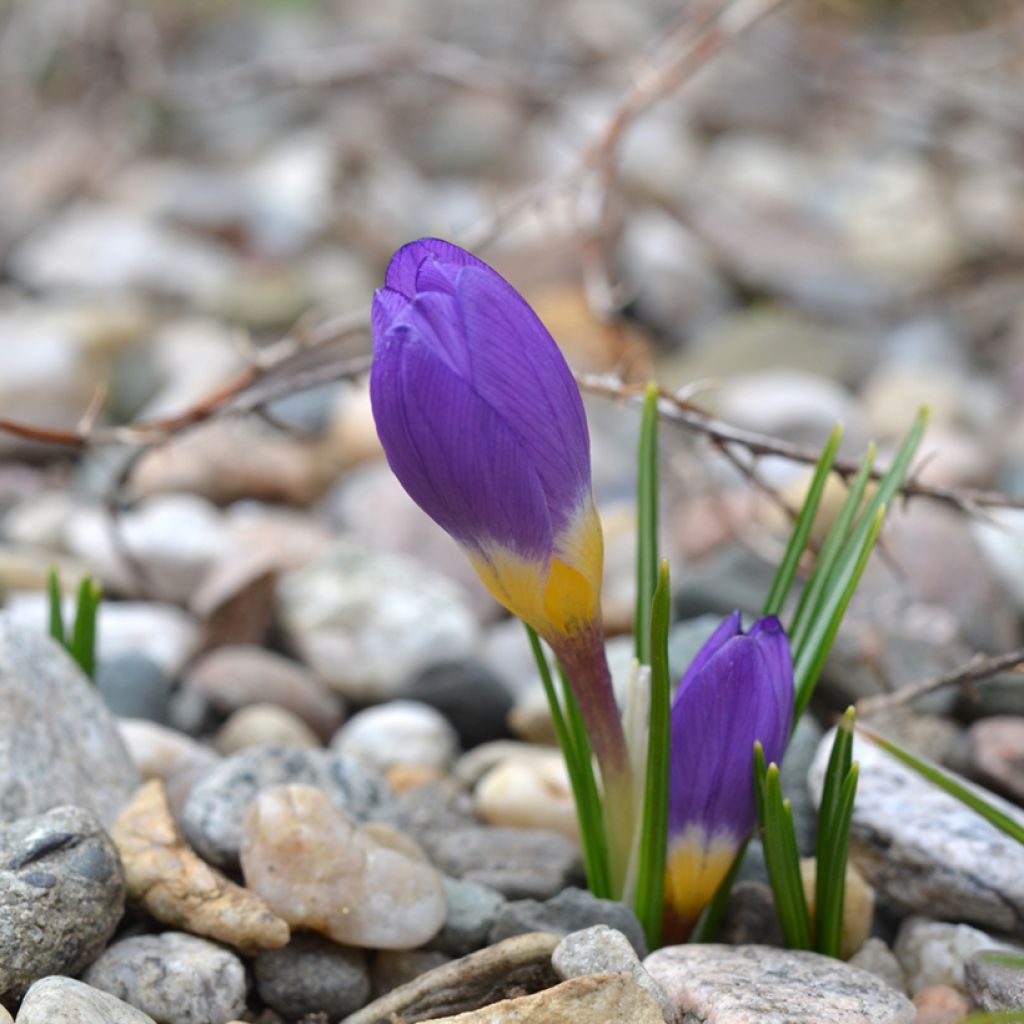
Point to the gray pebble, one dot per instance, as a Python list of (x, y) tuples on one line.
[(759, 984), (878, 959), (213, 813), (520, 863), (570, 911), (312, 975), (58, 743), (750, 917), (472, 909), (134, 686), (174, 977), (61, 895), (604, 950), (395, 967), (60, 1000), (995, 981), (470, 696)]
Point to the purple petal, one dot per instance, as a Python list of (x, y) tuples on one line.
[(742, 692), (387, 307), (405, 264), (516, 367), (731, 627), (454, 455)]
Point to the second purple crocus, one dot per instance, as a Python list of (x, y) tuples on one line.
[(738, 689)]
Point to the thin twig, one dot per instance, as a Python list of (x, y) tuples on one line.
[(685, 413), (981, 666)]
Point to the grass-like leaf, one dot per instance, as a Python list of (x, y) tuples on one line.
[(650, 885), (815, 589), (812, 636), (833, 839), (56, 612), (945, 781), (782, 858), (83, 636), (787, 570), (811, 659), (646, 524), (572, 738)]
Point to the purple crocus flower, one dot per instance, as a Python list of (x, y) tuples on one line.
[(482, 422), (738, 689)]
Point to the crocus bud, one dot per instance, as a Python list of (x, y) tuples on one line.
[(738, 689), (482, 422)]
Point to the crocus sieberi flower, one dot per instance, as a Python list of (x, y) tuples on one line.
[(482, 422), (738, 689)]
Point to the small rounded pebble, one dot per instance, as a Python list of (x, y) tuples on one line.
[(61, 1000), (367, 886), (531, 792), (394, 967), (940, 1004), (312, 975), (264, 723), (471, 910), (400, 732), (858, 906), (174, 977)]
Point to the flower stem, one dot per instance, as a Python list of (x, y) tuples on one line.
[(583, 660)]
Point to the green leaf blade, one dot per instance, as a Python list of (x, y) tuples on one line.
[(654, 838), (646, 524)]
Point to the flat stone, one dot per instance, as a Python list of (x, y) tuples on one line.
[(510, 968), (174, 977), (995, 982), (178, 888), (369, 887), (570, 911), (366, 622), (716, 984), (236, 676), (215, 809), (593, 1000), (924, 851), (61, 896), (520, 863), (58, 743), (312, 975), (72, 1002)]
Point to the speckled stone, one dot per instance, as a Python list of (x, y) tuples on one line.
[(924, 851), (215, 809), (604, 950), (995, 982), (58, 743), (174, 977), (64, 1000), (716, 984), (61, 896)]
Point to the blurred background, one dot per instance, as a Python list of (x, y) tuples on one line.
[(796, 213)]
